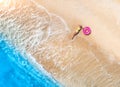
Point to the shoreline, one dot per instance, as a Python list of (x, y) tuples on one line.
[(86, 60), (17, 66)]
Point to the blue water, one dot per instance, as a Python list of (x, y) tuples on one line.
[(16, 71)]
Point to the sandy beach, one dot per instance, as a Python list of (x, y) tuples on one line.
[(97, 65), (103, 18), (45, 32)]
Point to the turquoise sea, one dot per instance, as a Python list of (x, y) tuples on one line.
[(17, 71)]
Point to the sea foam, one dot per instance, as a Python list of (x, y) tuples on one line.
[(26, 27), (17, 71)]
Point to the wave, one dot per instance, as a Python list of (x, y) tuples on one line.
[(19, 72), (26, 27)]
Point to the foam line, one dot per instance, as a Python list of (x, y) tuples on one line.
[(16, 71)]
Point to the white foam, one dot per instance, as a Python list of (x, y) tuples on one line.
[(34, 31)]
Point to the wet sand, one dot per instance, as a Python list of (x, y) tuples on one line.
[(97, 60), (103, 18)]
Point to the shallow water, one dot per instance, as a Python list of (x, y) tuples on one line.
[(24, 29), (16, 71)]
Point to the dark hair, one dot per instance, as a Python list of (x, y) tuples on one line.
[(80, 26)]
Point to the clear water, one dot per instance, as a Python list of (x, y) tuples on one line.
[(16, 71)]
